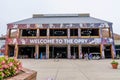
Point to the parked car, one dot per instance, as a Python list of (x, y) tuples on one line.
[(96, 56)]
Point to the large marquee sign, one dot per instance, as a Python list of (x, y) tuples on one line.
[(60, 41), (60, 25)]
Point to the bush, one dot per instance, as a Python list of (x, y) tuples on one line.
[(114, 62), (9, 67)]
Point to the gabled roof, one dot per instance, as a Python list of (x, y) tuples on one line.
[(60, 18)]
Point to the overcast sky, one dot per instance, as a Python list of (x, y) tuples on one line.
[(14, 10)]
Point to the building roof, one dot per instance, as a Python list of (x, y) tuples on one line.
[(60, 18)]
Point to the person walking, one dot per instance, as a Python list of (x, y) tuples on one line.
[(57, 56), (86, 56), (81, 55), (35, 55)]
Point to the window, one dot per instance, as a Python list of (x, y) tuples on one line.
[(29, 32), (106, 33), (58, 32), (73, 32), (89, 32), (13, 33), (43, 32)]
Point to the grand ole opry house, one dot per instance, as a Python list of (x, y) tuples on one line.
[(70, 35)]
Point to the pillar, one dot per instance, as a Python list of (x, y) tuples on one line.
[(113, 44), (6, 42), (79, 32), (16, 51), (102, 54), (112, 51), (69, 51), (16, 44), (47, 51), (38, 33), (79, 51), (6, 49), (100, 32), (37, 51), (68, 33), (48, 31)]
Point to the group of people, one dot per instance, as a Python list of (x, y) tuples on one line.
[(86, 56)]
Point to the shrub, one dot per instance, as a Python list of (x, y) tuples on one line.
[(114, 62), (9, 67)]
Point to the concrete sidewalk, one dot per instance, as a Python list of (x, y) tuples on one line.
[(66, 69)]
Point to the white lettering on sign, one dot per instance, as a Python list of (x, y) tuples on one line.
[(51, 41), (63, 41)]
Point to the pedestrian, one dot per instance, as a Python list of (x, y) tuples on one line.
[(86, 56), (35, 55), (57, 56), (81, 55)]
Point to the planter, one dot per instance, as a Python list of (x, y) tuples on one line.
[(26, 74), (114, 66)]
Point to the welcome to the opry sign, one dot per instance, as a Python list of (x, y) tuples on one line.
[(61, 41)]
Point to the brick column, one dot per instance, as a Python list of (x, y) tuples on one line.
[(68, 32), (47, 51), (69, 51), (37, 50), (6, 42), (113, 52), (102, 54), (79, 51), (48, 31), (16, 51), (79, 32), (16, 44), (38, 32)]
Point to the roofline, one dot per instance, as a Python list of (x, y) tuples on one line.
[(61, 15), (102, 20)]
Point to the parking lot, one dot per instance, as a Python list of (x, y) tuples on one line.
[(67, 69)]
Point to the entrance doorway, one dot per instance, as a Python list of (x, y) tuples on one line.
[(59, 51), (107, 51), (26, 51), (93, 49), (74, 52), (11, 50), (42, 52)]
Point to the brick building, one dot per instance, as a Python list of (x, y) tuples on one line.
[(69, 35)]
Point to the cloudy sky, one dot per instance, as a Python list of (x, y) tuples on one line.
[(14, 10)]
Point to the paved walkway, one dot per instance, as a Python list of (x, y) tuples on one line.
[(66, 69)]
